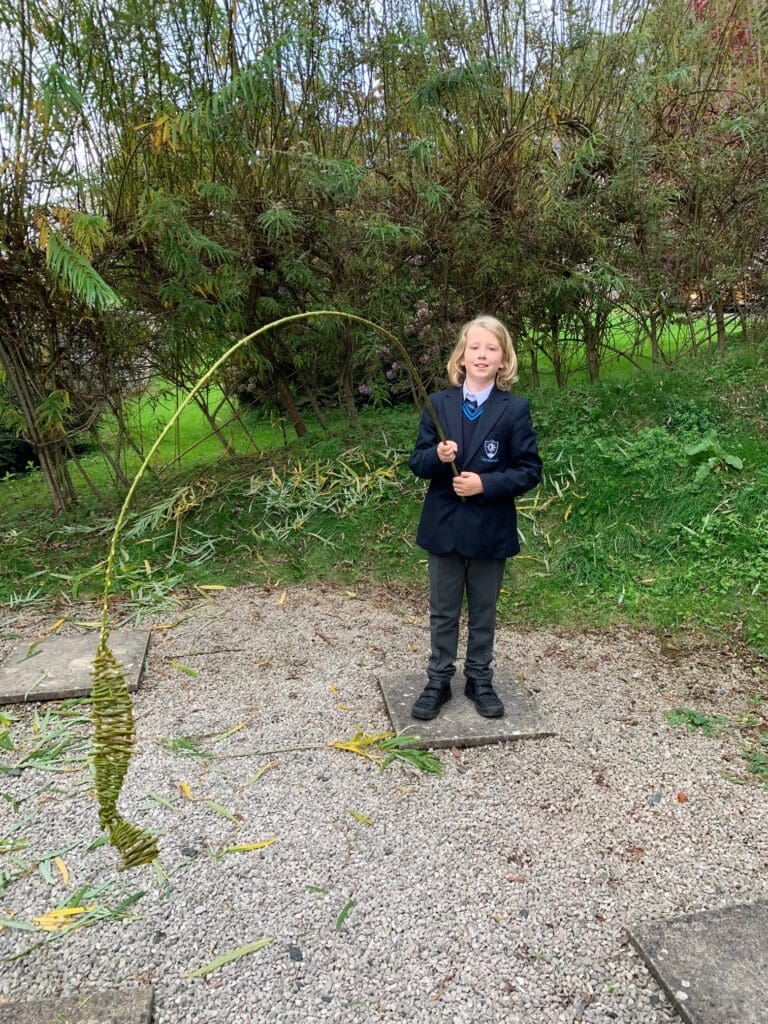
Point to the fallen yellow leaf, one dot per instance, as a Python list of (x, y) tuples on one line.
[(345, 707), (282, 598), (185, 790), (211, 586), (359, 742), (247, 847), (360, 817), (60, 917), (62, 869)]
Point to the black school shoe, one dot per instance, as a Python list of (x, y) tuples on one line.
[(433, 696), (487, 702)]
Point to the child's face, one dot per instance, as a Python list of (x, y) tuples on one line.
[(482, 358)]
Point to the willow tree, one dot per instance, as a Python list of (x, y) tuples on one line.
[(708, 132), (56, 306)]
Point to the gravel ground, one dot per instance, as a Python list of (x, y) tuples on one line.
[(502, 890)]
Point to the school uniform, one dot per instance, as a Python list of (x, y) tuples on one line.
[(468, 541)]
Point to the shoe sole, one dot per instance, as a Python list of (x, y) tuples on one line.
[(420, 717)]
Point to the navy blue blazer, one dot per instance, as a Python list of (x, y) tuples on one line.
[(503, 452)]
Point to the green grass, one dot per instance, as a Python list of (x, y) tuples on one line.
[(632, 523), (626, 352)]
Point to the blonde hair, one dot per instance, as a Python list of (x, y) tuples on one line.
[(507, 375)]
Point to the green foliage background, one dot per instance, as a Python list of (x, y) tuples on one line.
[(173, 177), (642, 531)]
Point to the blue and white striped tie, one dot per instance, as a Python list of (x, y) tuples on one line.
[(471, 409)]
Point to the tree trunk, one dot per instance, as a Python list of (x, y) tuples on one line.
[(346, 380), (720, 323), (289, 404), (117, 469), (81, 469), (742, 316), (556, 355), (124, 435), (284, 392), (51, 455), (237, 417), (310, 393), (202, 405), (535, 376), (691, 326), (592, 349), (654, 333)]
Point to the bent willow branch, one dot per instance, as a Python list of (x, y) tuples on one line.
[(112, 711)]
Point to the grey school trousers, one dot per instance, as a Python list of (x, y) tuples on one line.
[(449, 577)]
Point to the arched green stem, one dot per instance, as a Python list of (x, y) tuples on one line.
[(112, 712)]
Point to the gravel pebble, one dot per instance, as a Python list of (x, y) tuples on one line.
[(501, 891)]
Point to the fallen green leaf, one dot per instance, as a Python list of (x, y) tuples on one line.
[(360, 817), (222, 811), (262, 844), (343, 915), (184, 668), (227, 958)]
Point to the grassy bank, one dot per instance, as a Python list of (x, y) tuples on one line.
[(653, 511)]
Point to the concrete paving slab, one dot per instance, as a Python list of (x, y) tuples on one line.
[(119, 1006), (712, 965), (458, 724), (60, 667)]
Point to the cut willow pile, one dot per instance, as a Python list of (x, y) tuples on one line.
[(112, 710)]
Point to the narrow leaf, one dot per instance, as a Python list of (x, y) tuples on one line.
[(343, 915), (220, 809), (247, 847), (62, 869), (258, 774), (155, 798), (361, 817), (61, 917), (8, 922), (227, 958), (184, 668)]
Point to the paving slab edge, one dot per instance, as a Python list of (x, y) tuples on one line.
[(426, 743), (30, 697), (655, 970), (89, 1007)]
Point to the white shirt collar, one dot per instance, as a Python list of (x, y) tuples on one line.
[(480, 396)]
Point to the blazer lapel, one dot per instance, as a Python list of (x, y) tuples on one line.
[(494, 407), (453, 403)]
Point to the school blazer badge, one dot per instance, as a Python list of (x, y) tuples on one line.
[(491, 450)]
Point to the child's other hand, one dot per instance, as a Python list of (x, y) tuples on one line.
[(467, 484), (446, 451)]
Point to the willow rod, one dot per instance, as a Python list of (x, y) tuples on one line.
[(112, 711)]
